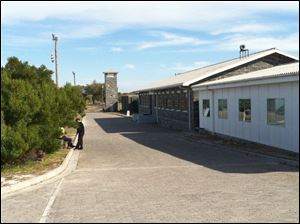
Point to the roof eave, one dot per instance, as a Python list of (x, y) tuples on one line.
[(188, 83), (161, 87), (292, 74), (285, 54)]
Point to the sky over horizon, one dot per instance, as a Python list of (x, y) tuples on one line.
[(144, 41)]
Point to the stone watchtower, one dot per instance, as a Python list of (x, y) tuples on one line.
[(111, 91)]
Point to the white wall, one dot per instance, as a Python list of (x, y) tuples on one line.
[(205, 122), (257, 130)]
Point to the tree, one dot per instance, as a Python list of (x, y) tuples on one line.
[(96, 90), (33, 109)]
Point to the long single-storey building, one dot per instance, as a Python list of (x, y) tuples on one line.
[(172, 102), (260, 106)]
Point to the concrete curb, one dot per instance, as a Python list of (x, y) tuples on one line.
[(36, 180), (278, 159)]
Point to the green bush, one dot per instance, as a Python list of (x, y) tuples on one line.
[(33, 109), (13, 146)]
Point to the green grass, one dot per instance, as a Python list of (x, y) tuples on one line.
[(49, 162)]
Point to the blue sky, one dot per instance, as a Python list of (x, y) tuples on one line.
[(143, 41)]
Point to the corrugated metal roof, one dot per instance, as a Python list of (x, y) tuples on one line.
[(276, 71), (190, 77)]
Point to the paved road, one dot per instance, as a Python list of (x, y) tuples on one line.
[(132, 172)]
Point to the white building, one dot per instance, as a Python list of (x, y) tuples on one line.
[(172, 103), (260, 106)]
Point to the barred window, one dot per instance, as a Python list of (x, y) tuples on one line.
[(183, 101), (169, 102)]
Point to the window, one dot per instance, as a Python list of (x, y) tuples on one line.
[(206, 109), (159, 101), (275, 112), (183, 101), (222, 109), (165, 101), (176, 101), (245, 110), (169, 101)]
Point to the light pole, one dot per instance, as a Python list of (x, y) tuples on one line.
[(55, 39), (74, 78)]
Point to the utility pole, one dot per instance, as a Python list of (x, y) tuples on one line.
[(74, 78), (55, 39)]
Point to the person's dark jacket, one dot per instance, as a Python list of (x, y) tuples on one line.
[(80, 129)]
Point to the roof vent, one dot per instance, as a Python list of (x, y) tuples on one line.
[(243, 52)]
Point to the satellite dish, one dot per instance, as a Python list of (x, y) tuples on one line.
[(242, 47)]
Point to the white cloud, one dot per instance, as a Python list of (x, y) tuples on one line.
[(170, 39), (88, 19), (81, 30), (84, 31), (129, 66), (181, 67), (116, 49), (256, 43), (19, 41), (183, 15), (249, 28)]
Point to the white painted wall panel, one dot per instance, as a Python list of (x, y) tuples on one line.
[(205, 122), (218, 121), (239, 127), (254, 95), (257, 130), (231, 106), (295, 114)]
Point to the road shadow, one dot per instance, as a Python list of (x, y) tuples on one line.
[(174, 143)]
